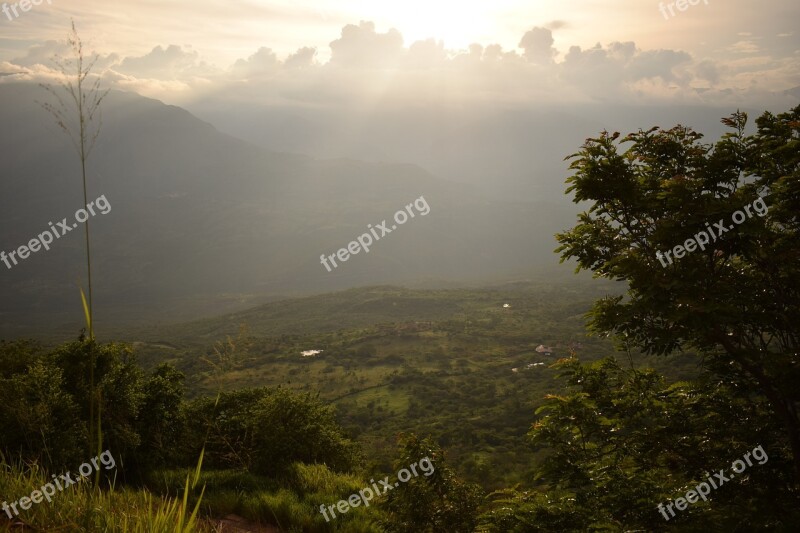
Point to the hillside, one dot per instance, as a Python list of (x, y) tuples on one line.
[(438, 362), (201, 222)]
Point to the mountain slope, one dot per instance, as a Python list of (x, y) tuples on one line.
[(198, 216)]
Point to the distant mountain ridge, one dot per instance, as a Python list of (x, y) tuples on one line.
[(197, 214)]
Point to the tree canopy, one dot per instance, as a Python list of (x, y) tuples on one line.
[(736, 301)]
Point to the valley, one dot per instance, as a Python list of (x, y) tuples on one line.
[(394, 360)]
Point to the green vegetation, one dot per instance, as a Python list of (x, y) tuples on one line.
[(446, 373), (623, 441), (81, 508), (584, 442), (262, 461)]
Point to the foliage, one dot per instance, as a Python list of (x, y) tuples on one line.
[(622, 441), (44, 407), (38, 418), (439, 502), (382, 379), (266, 430), (161, 421), (736, 301), (83, 508)]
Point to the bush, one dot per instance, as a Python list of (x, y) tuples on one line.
[(266, 430)]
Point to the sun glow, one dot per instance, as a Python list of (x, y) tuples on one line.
[(455, 22)]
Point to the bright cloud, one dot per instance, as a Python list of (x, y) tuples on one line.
[(306, 52)]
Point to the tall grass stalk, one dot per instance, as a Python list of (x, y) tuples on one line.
[(77, 120)]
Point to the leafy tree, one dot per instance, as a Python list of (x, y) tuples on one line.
[(292, 427), (161, 423), (16, 356), (118, 382), (38, 418), (266, 430), (439, 502), (621, 442), (45, 407), (225, 424), (736, 301)]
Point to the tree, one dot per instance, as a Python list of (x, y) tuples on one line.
[(38, 419), (430, 503), (736, 299), (266, 430), (620, 442), (293, 427), (44, 412), (161, 422), (117, 387)]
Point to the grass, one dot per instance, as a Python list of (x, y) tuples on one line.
[(290, 503), (84, 508)]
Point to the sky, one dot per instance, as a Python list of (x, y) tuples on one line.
[(323, 52)]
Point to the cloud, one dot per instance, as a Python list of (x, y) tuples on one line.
[(538, 45), (707, 70), (11, 69), (168, 63), (661, 64), (302, 58), (556, 25), (494, 53), (362, 46), (601, 68), (535, 73), (427, 54), (609, 70), (744, 47), (43, 54), (150, 87), (264, 61)]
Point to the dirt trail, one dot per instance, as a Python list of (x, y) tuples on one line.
[(237, 524)]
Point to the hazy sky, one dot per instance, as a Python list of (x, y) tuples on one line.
[(305, 52)]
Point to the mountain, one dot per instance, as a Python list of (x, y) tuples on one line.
[(505, 152), (202, 222)]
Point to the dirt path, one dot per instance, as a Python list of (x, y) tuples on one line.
[(237, 524)]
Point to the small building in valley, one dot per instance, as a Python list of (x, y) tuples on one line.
[(544, 350)]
